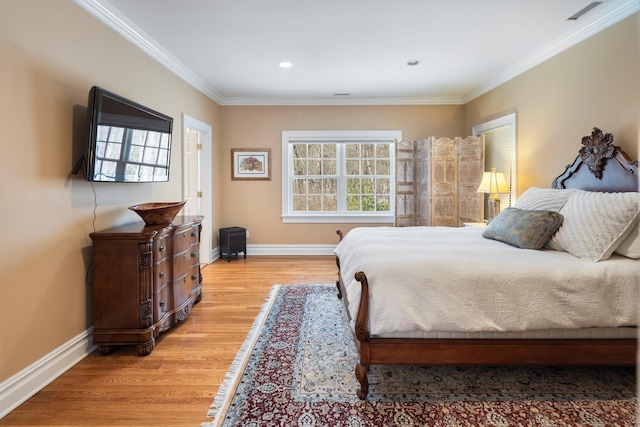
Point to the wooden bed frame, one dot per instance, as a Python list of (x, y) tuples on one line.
[(600, 166)]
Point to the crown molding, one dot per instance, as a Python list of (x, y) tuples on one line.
[(617, 13), (443, 100), (127, 29)]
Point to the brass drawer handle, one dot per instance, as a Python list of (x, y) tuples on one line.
[(162, 303), (194, 254), (162, 249), (194, 277), (162, 274), (194, 234)]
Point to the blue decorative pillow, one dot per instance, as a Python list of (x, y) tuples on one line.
[(524, 228)]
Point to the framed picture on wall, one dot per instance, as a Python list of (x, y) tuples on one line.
[(250, 164)]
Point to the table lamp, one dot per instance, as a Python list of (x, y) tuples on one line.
[(493, 183)]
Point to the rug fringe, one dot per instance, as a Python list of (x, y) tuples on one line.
[(228, 386)]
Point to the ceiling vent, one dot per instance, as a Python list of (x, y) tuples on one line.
[(584, 10)]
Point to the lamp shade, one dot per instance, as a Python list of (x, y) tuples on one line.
[(493, 183)]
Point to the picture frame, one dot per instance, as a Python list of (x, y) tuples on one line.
[(251, 164)]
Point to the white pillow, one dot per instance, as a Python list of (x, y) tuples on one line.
[(542, 199), (630, 247), (595, 223)]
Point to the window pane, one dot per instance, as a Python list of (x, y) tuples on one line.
[(367, 186), (103, 133), (383, 186), (329, 151), (300, 167), (383, 204), (353, 186), (135, 154), (108, 168), (315, 203), (353, 167), (299, 151), (163, 160), (352, 150), (330, 203), (146, 171), (367, 167), (353, 203), (112, 151), (137, 137), (150, 155), (315, 151), (116, 134), (368, 151), (315, 167), (299, 186), (329, 167), (164, 141), (368, 203), (383, 151), (153, 139), (315, 186), (383, 167), (300, 203), (330, 186)]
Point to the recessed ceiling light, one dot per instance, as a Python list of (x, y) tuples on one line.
[(413, 63), (285, 64)]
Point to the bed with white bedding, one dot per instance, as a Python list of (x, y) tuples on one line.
[(553, 280)]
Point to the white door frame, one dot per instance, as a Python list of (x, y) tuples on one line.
[(203, 172)]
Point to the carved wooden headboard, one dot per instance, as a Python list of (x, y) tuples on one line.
[(600, 166)]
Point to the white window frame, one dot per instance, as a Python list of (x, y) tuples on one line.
[(508, 120), (291, 137)]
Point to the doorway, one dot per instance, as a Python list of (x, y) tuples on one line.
[(196, 137)]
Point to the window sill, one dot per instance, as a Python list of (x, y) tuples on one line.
[(337, 219)]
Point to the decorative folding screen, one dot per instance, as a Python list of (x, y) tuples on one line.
[(437, 181)]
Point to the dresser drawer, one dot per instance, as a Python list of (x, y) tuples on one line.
[(185, 238), (163, 303), (183, 286), (194, 275), (183, 262), (162, 248), (162, 273)]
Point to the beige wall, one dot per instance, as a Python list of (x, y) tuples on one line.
[(595, 83), (52, 53), (257, 205)]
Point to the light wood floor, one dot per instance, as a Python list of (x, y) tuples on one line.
[(176, 383)]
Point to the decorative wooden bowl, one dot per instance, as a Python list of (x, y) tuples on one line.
[(158, 213)]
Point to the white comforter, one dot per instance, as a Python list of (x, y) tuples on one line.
[(453, 279)]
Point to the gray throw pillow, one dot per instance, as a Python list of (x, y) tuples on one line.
[(524, 228)]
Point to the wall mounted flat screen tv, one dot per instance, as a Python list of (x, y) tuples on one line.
[(127, 142)]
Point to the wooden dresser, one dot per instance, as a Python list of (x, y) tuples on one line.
[(146, 278)]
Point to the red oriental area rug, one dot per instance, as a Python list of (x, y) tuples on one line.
[(296, 368)]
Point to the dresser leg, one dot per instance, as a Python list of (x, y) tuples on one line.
[(146, 348), (105, 349)]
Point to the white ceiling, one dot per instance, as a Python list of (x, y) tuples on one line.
[(230, 49)]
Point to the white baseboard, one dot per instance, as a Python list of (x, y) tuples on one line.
[(290, 249), (21, 386)]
